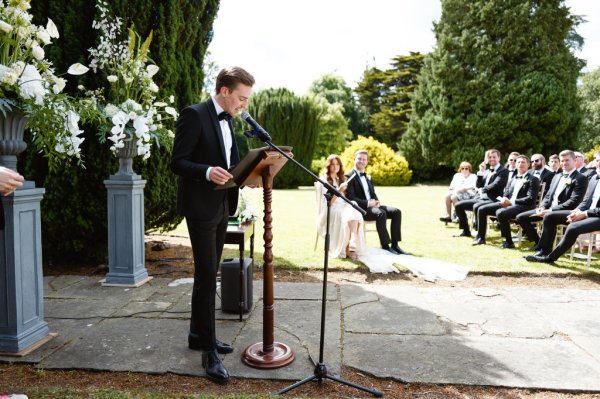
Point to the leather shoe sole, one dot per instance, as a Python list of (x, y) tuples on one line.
[(539, 259)]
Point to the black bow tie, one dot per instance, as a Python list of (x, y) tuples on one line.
[(362, 174), (224, 115), (519, 177), (566, 174)]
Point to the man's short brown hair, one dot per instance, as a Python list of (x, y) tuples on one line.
[(525, 157), (231, 77), (365, 152), (494, 150), (567, 153)]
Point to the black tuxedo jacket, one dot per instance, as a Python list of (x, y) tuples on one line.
[(528, 192), (199, 145), (546, 176), (497, 183), (571, 196), (586, 203), (356, 192)]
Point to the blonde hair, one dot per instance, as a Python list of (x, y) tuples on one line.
[(465, 164)]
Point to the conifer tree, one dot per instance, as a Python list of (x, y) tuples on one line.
[(502, 75)]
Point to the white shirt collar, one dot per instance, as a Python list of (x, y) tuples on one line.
[(218, 108)]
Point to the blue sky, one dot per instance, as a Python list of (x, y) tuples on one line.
[(290, 43)]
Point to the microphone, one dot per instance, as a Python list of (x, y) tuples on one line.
[(258, 131)]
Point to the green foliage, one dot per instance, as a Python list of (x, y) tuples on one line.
[(589, 93), (336, 91), (291, 121), (385, 167), (74, 220), (386, 96), (333, 134), (503, 75)]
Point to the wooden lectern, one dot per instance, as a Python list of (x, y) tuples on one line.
[(257, 169)]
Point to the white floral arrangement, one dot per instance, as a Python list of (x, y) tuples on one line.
[(245, 211), (28, 83), (129, 110)]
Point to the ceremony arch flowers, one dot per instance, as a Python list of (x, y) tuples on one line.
[(29, 84), (130, 111)]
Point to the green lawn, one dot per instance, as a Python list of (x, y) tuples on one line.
[(423, 234)]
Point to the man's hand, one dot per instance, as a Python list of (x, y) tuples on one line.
[(576, 215), (483, 166), (219, 175), (373, 203), (505, 202), (9, 180), (542, 211)]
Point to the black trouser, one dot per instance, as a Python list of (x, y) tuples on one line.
[(207, 238), (525, 219), (505, 215), (549, 227), (573, 231), (380, 216), (483, 210), (462, 207)]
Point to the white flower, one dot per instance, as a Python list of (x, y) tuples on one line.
[(38, 53), (31, 85), (151, 70), (73, 123), (4, 27), (170, 134), (52, 29), (44, 36), (59, 85), (153, 87), (112, 78), (171, 99), (77, 69), (8, 75), (171, 111), (141, 126), (110, 110), (160, 104)]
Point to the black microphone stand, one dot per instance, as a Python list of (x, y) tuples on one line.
[(320, 371)]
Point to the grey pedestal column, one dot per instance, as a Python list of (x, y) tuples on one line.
[(126, 255), (22, 322)]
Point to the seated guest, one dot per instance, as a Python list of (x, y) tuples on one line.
[(539, 170), (462, 187), (511, 164), (584, 219), (591, 169), (490, 182), (553, 219), (554, 164), (580, 162), (360, 189), (565, 193), (346, 232), (520, 195)]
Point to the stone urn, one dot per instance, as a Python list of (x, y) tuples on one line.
[(12, 129), (125, 155)]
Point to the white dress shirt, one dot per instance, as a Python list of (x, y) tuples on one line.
[(227, 140), (363, 181)]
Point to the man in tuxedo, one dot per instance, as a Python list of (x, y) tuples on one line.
[(583, 219), (360, 189), (203, 151), (553, 219), (511, 164), (539, 170), (580, 162), (520, 194), (490, 183), (565, 193), (554, 164), (9, 182)]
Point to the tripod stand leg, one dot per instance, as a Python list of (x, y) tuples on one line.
[(296, 385), (374, 392)]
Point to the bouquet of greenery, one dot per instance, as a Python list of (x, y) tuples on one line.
[(29, 85), (245, 211), (130, 112)]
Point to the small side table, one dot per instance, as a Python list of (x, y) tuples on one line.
[(239, 234)]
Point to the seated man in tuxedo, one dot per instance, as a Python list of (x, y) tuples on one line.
[(553, 219), (565, 193), (520, 195), (360, 189), (490, 184), (539, 169)]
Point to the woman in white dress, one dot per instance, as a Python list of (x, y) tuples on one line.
[(462, 187), (346, 230)]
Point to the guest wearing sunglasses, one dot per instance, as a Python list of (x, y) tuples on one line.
[(511, 164), (539, 170), (462, 187)]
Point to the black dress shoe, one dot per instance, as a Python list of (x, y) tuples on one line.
[(540, 259), (539, 253), (390, 250), (446, 220), (213, 367), (399, 250), (479, 241), (464, 233), (222, 348), (507, 245)]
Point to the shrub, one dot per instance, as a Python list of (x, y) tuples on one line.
[(385, 167)]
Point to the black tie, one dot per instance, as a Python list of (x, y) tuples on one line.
[(519, 177), (224, 115), (565, 175), (362, 174)]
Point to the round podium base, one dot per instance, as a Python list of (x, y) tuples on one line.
[(281, 356)]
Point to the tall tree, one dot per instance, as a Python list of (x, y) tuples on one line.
[(386, 94), (589, 93), (502, 75), (74, 221), (336, 91)]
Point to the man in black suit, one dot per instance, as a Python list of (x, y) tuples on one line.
[(519, 195), (490, 183), (565, 193), (580, 163), (9, 182), (539, 170), (553, 219), (361, 190), (203, 151), (584, 219)]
